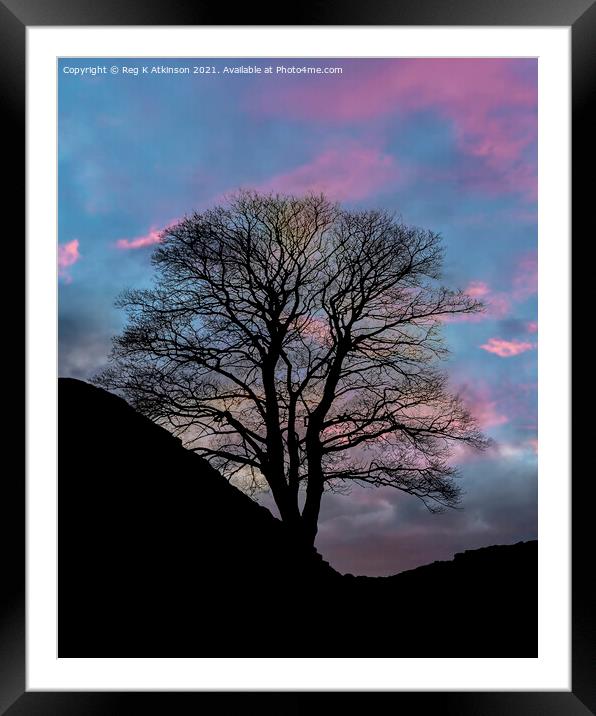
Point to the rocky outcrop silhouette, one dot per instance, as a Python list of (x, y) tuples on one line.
[(158, 555)]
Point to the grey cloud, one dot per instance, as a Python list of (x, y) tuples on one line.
[(382, 531)]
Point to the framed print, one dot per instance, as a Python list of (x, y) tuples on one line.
[(298, 356)]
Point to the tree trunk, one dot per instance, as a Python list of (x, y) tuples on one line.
[(314, 490), (274, 472), (285, 499), (310, 514), (314, 449)]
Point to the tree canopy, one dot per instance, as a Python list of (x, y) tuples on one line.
[(290, 340)]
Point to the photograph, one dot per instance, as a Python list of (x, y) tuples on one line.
[(298, 357)]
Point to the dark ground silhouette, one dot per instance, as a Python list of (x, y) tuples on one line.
[(159, 556)]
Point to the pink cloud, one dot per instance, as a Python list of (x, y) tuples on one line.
[(342, 174), (481, 404), (488, 416), (496, 304), (487, 412), (68, 255), (495, 405), (152, 237), (490, 103), (499, 304), (477, 289), (140, 242), (507, 349)]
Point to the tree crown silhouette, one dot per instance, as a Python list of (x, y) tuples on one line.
[(291, 340)]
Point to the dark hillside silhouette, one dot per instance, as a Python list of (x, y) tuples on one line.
[(160, 556)]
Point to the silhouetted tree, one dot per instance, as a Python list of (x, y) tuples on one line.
[(291, 339)]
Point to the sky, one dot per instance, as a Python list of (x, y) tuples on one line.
[(447, 144)]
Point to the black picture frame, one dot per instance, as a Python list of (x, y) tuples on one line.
[(15, 16)]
